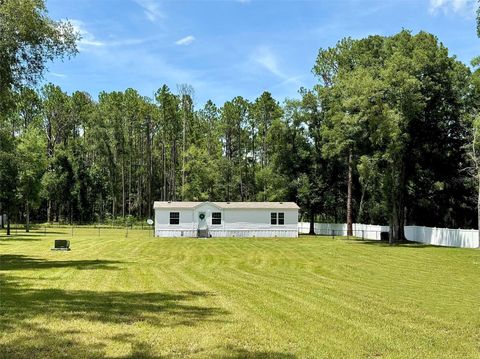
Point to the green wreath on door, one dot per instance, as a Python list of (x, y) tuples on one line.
[(202, 216)]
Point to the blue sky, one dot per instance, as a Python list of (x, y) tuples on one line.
[(235, 47)]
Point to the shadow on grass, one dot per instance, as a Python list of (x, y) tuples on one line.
[(22, 308), (5, 238), (44, 343), (407, 244), (237, 353), (107, 307), (31, 236), (19, 262)]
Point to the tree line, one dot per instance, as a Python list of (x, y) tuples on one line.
[(388, 135)]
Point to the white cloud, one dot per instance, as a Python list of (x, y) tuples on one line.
[(462, 7), (243, 1), (293, 79), (88, 39), (187, 40), (57, 74), (129, 42), (151, 9), (268, 60)]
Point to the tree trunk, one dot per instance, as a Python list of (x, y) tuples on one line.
[(360, 207), (130, 183), (349, 196), (49, 140), (123, 186), (254, 166), (164, 174), (27, 222), (397, 219), (397, 234), (183, 156), (8, 224), (229, 177), (173, 188), (478, 209), (150, 171), (49, 211), (312, 223)]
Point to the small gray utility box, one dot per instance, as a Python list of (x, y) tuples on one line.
[(61, 245)]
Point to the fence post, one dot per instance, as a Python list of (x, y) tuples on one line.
[(363, 236), (72, 230), (333, 234)]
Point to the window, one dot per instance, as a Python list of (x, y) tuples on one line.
[(277, 218), (273, 218), (216, 218), (174, 218)]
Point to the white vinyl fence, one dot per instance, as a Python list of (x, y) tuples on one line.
[(465, 238)]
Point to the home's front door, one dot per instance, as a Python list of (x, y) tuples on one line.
[(202, 220), (202, 231)]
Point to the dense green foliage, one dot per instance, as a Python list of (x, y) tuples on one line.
[(397, 106), (478, 18), (28, 39), (311, 297), (114, 156), (388, 135)]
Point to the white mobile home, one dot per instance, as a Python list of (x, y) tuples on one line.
[(226, 219)]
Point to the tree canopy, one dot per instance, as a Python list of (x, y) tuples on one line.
[(387, 135), (396, 104), (28, 39)]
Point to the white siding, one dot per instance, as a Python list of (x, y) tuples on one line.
[(249, 222), (208, 209), (259, 219), (263, 233), (185, 228)]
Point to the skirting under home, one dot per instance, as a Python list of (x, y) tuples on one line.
[(226, 219)]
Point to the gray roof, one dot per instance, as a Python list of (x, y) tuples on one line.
[(174, 204), (223, 205)]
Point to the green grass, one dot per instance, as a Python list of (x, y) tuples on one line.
[(312, 297)]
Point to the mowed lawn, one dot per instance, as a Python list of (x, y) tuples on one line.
[(312, 297)]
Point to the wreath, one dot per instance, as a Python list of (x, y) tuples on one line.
[(202, 216)]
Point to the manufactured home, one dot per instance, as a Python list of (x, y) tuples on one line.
[(226, 219)]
